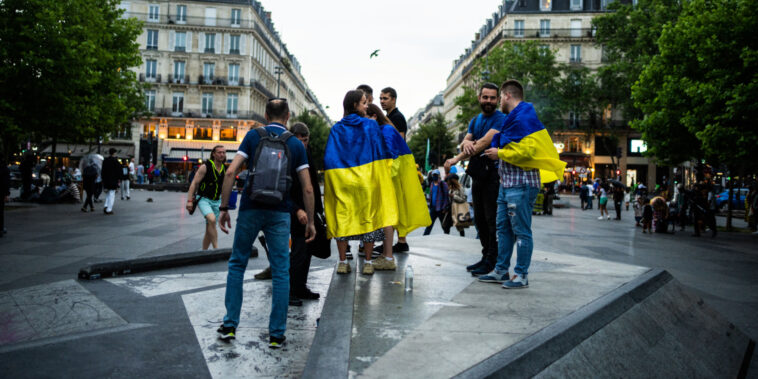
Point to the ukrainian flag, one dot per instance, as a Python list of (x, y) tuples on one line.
[(370, 180), (524, 142)]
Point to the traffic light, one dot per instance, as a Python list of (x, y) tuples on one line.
[(618, 172), (184, 158)]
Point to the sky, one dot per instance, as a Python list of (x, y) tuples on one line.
[(418, 42)]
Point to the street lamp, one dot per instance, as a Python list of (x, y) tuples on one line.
[(278, 71)]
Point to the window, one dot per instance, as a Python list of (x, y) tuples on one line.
[(236, 17), (231, 105), (153, 13), (637, 147), (210, 16), (208, 71), (518, 28), (576, 5), (178, 104), (228, 134), (180, 41), (234, 44), (152, 39), (179, 71), (203, 133), (573, 145), (207, 107), (576, 28), (234, 73), (604, 4), (573, 123), (544, 28), (210, 42), (576, 53), (181, 14), (546, 5), (176, 132), (150, 69), (150, 100)]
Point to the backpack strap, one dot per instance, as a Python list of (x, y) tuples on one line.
[(262, 132), (285, 136)]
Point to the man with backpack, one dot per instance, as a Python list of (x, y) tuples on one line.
[(273, 158), (89, 176), (111, 175)]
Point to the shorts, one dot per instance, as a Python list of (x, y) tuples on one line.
[(603, 200), (208, 206), (375, 236)]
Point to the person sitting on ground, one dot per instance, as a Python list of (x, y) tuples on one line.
[(647, 216)]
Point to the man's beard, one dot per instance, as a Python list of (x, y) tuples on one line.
[(487, 108)]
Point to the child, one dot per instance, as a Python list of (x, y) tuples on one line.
[(638, 209), (627, 197), (647, 217)]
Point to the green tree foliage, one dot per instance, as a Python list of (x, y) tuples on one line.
[(64, 68), (528, 62), (440, 139), (704, 83), (319, 134)]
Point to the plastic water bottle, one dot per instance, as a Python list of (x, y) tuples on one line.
[(408, 278)]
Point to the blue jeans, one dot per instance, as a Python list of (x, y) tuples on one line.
[(514, 226), (276, 228)]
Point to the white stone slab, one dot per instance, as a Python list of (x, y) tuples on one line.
[(156, 285)]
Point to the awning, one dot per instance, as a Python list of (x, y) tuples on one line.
[(79, 150)]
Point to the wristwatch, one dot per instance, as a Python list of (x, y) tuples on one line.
[(225, 209)]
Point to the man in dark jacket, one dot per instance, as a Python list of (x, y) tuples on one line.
[(111, 174)]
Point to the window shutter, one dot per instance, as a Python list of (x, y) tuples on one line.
[(201, 42), (189, 42), (242, 44), (171, 39), (226, 43)]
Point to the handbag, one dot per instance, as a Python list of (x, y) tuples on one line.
[(320, 247), (480, 168)]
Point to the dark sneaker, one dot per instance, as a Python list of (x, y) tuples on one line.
[(379, 248), (226, 333), (307, 294), (400, 247), (484, 269), (517, 282), (475, 266), (374, 254), (263, 275), (349, 255), (493, 277), (295, 302), (276, 342)]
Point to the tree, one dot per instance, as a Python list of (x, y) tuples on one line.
[(64, 68), (319, 134), (528, 62), (440, 139)]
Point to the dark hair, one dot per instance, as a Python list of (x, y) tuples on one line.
[(277, 108), (112, 151), (214, 149), (351, 98), (366, 89), (488, 85), (381, 119), (513, 87), (300, 129), (390, 91)]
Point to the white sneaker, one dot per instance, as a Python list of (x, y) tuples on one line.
[(600, 218)]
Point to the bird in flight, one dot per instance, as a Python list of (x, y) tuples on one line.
[(374, 54)]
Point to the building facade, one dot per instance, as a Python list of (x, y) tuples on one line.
[(211, 66), (564, 26)]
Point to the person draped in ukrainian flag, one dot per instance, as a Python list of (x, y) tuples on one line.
[(527, 158), (370, 183)]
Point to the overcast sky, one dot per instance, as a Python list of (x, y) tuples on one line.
[(418, 41)]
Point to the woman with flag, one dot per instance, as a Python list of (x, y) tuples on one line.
[(370, 183)]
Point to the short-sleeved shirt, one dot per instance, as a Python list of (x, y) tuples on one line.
[(298, 158), (398, 120), (480, 125)]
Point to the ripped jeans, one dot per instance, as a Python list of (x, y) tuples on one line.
[(514, 226)]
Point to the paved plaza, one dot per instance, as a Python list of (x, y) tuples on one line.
[(162, 323)]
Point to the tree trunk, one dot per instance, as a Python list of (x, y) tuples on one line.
[(729, 207)]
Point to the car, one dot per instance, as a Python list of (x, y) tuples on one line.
[(738, 201)]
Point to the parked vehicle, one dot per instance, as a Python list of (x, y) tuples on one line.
[(738, 201)]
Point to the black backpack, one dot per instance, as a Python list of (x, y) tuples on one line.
[(269, 177), (90, 171)]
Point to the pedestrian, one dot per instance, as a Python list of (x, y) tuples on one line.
[(483, 172), (547, 206), (5, 193), (618, 198), (647, 215), (388, 101), (712, 209), (527, 159), (89, 176), (627, 198), (583, 196), (603, 201), (150, 172), (205, 193), (368, 91), (361, 196), (111, 173), (660, 214), (132, 170), (141, 173), (683, 206), (590, 194), (125, 178), (265, 207), (44, 174), (459, 209), (439, 199)]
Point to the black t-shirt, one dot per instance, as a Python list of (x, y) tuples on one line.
[(398, 120)]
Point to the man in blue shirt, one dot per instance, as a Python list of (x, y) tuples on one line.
[(485, 183), (273, 220)]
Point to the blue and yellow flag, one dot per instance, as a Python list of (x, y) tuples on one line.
[(524, 142), (370, 180)]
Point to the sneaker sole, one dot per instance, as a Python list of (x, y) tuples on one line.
[(274, 345), (492, 281), (516, 288), (226, 337)]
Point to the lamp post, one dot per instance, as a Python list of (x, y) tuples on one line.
[(278, 71)]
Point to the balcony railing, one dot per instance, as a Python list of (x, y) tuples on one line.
[(192, 20), (149, 79), (202, 79), (260, 87), (178, 80), (551, 33)]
